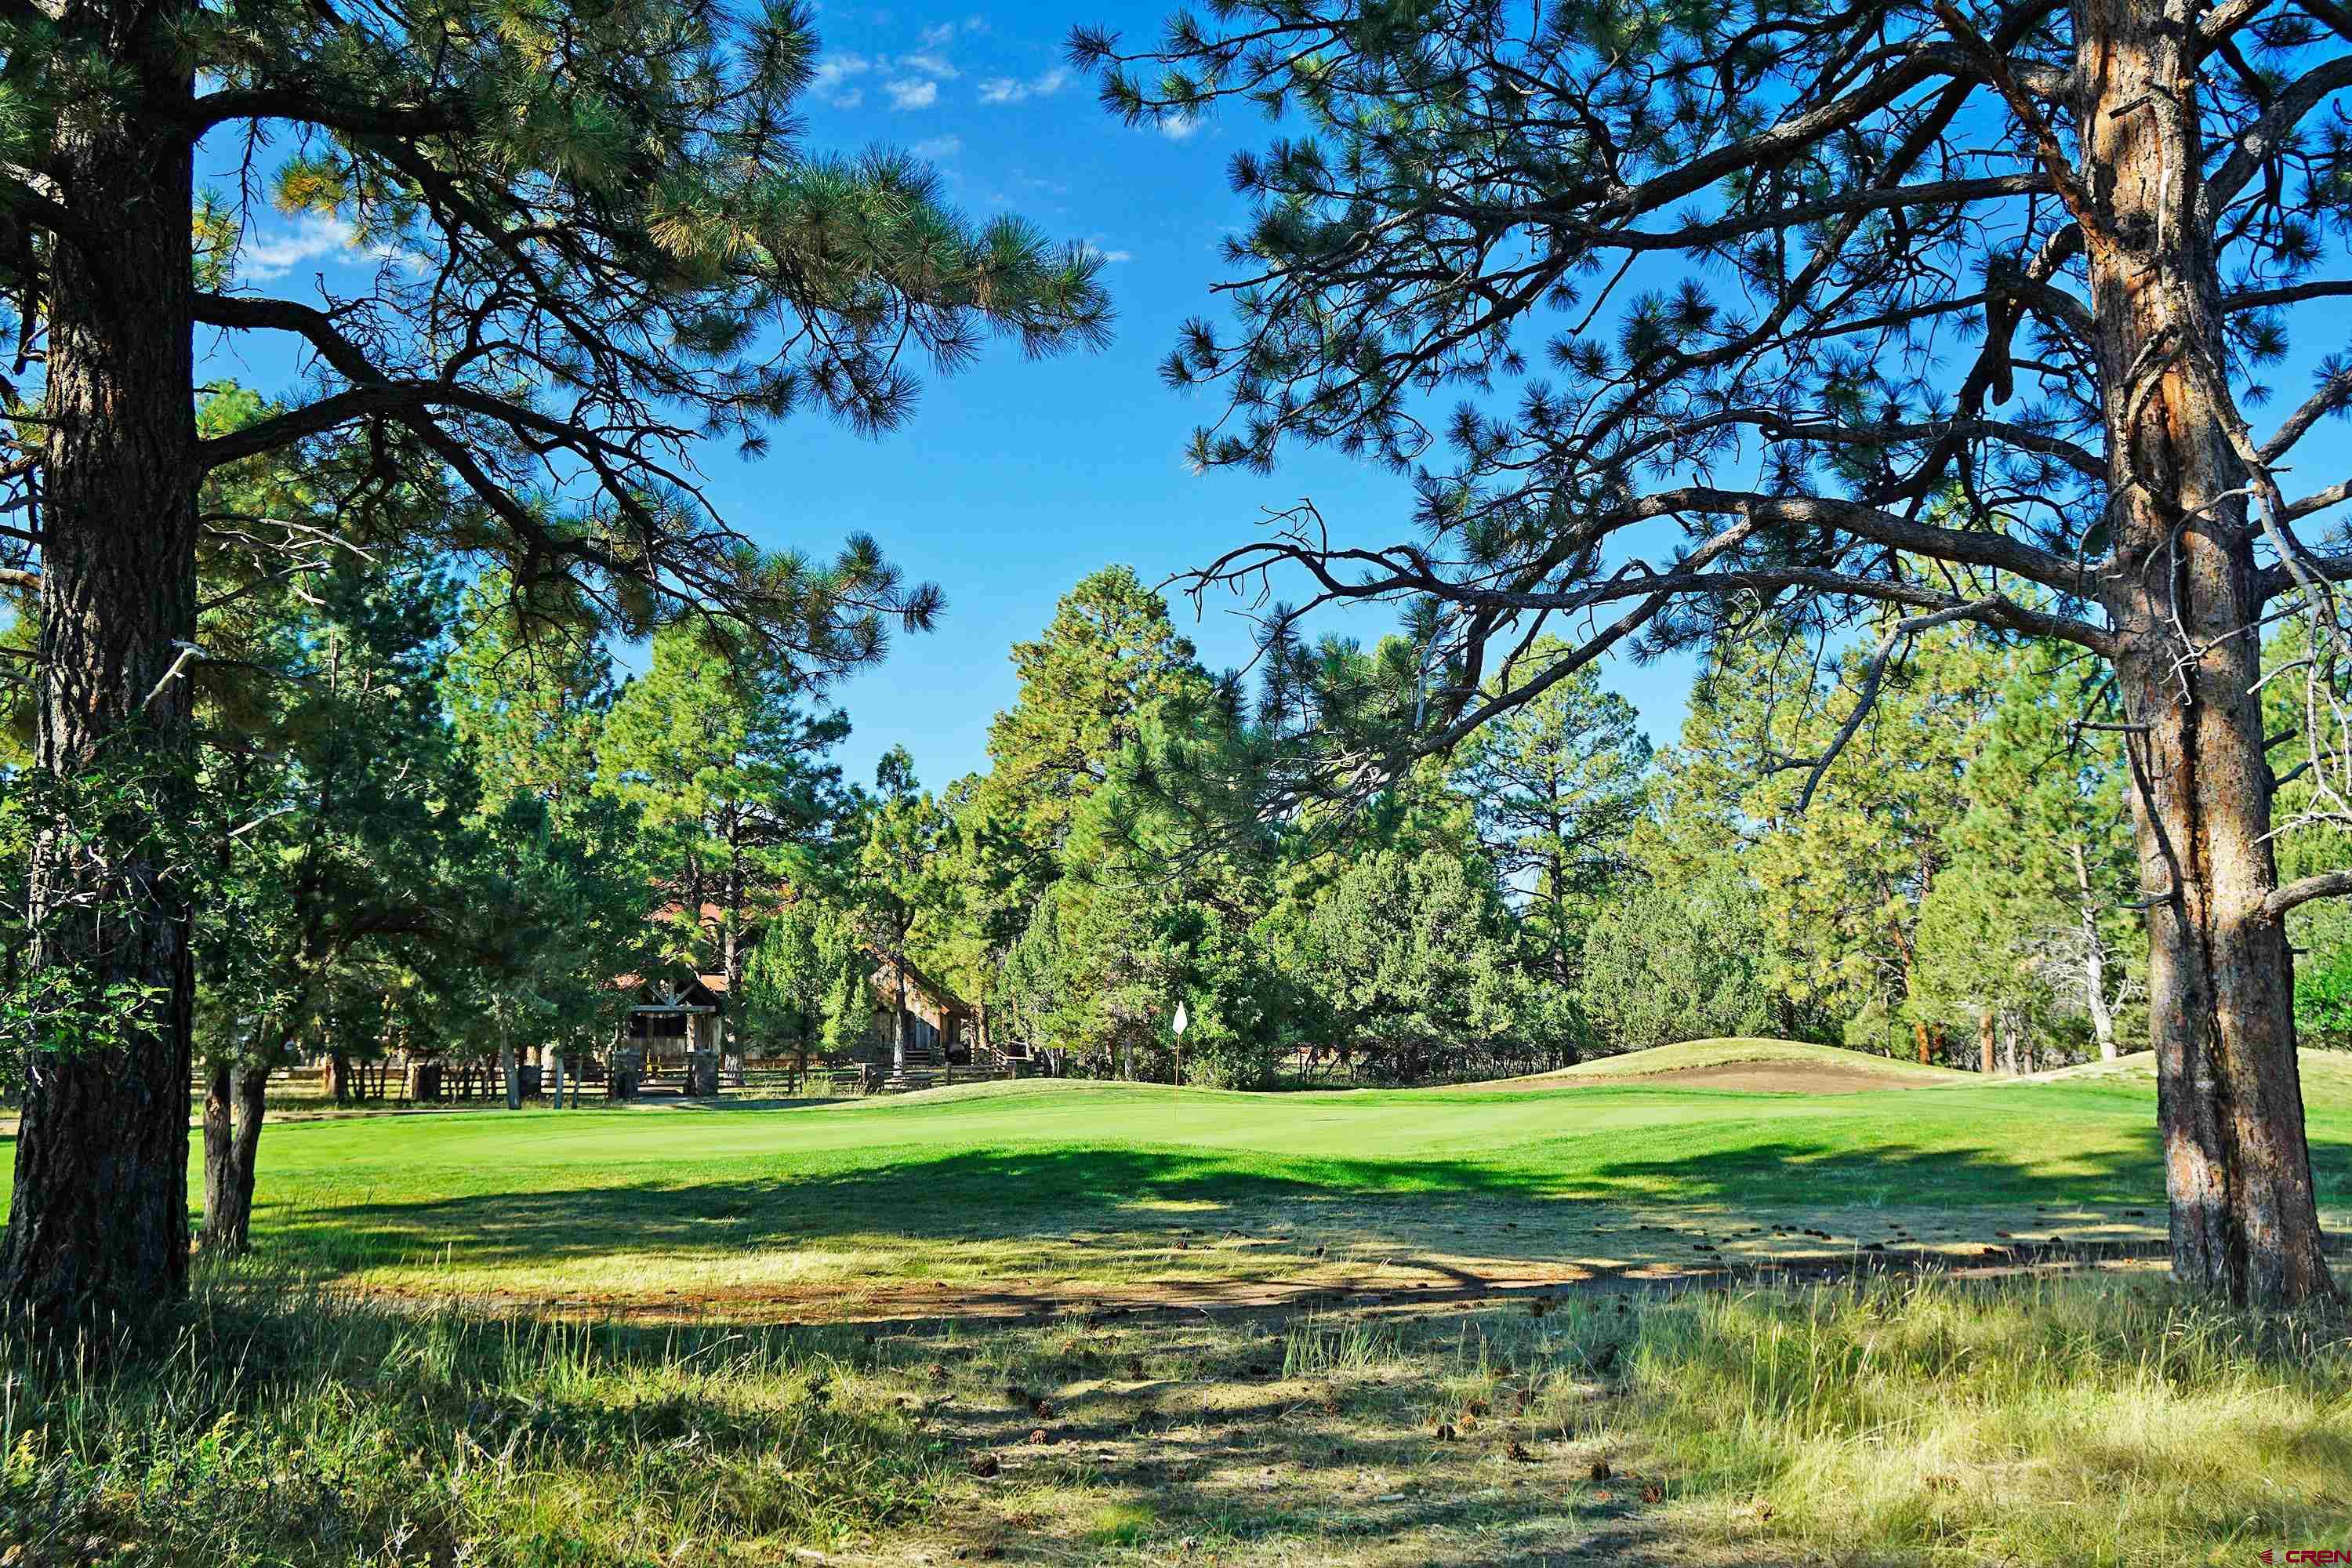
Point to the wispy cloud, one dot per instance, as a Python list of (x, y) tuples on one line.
[(936, 147), (1113, 257), (1181, 128), (834, 75), (1016, 90), (911, 92), (273, 254), (930, 63)]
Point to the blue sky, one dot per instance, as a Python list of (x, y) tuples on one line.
[(1015, 478)]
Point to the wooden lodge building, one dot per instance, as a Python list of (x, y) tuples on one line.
[(680, 1031), (681, 1036)]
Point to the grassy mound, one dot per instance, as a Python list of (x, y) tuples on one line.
[(1742, 1050), (2327, 1075)]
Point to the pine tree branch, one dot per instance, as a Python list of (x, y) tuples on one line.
[(19, 196), (2293, 895), (2288, 294), (2333, 394), (2261, 141), (304, 105), (2320, 500), (1606, 235)]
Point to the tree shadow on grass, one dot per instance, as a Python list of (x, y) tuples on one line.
[(1114, 1210)]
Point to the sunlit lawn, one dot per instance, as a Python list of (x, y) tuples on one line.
[(600, 1338), (1012, 1195)]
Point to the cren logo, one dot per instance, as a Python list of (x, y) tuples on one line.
[(2317, 1556)]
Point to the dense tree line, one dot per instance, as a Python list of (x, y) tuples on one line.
[(1960, 887)]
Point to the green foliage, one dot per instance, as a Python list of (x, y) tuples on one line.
[(139, 847), (1411, 960), (716, 748), (1559, 784), (531, 695), (1682, 959), (346, 836), (2034, 918), (807, 985), (1108, 661)]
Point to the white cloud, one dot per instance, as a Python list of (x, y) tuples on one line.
[(939, 147), (834, 74), (1013, 90), (312, 236), (933, 37), (1181, 128), (930, 64), (1111, 256), (910, 93)]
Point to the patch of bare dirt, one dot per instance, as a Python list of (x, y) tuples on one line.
[(1761, 1078), (881, 1304)]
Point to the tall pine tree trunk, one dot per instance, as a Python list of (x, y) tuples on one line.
[(2230, 1102), (99, 1223), (235, 1102), (220, 1130)]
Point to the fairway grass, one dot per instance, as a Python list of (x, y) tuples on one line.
[(1027, 1197), (1511, 1323)]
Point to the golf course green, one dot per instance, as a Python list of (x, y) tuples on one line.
[(1034, 1191)]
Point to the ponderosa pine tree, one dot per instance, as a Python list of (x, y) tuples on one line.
[(721, 751), (897, 883), (2042, 864), (530, 695), (1087, 685), (1557, 786), (599, 241), (1936, 312), (342, 831)]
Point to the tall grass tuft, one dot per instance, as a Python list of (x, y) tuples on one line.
[(2037, 1422), (283, 1425)]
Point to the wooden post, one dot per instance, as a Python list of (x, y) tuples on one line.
[(1984, 1041)]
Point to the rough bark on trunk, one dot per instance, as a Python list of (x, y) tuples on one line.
[(98, 1229), (1985, 1044), (2182, 597), (220, 1130), (230, 1157)]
